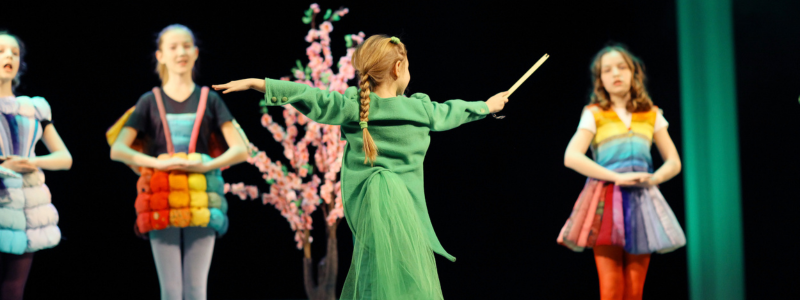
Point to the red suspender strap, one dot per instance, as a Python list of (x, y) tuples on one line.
[(201, 110), (163, 113)]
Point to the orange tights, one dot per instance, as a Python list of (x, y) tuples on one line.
[(621, 274)]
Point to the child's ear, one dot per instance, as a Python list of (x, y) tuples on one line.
[(397, 70)]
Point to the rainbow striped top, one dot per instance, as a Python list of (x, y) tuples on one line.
[(620, 148)]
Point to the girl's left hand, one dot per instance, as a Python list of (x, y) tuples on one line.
[(194, 168), (239, 85), (650, 181)]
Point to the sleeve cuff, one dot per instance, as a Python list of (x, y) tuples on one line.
[(478, 108), (270, 97)]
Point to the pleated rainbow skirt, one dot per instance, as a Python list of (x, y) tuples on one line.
[(637, 219)]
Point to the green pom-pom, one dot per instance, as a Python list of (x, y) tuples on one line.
[(327, 14)]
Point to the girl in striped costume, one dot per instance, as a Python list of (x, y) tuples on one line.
[(621, 214), (28, 220)]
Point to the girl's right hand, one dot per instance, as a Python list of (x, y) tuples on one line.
[(240, 85), (632, 178), (497, 102), (18, 164)]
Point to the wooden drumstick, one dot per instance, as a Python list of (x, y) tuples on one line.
[(527, 74)]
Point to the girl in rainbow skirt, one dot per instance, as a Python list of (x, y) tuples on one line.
[(620, 213)]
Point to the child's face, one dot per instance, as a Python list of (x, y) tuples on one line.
[(9, 57), (615, 74), (177, 51), (404, 78)]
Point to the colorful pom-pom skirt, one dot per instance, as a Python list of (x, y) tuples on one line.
[(180, 199)]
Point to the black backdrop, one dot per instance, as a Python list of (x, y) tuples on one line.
[(497, 191)]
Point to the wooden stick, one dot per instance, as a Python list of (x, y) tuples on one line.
[(527, 74)]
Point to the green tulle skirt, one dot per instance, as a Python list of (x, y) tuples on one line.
[(392, 258)]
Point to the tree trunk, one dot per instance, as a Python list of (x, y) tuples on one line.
[(325, 286)]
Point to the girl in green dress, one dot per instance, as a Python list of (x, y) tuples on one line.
[(382, 177)]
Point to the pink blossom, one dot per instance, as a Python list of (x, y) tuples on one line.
[(326, 27), (314, 49), (285, 78), (303, 172), (265, 120), (226, 188), (313, 34), (299, 74), (343, 12), (359, 38), (252, 191), (315, 7)]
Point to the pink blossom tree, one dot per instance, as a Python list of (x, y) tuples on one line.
[(298, 192)]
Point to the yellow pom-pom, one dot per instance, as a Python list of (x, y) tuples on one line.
[(195, 157), (197, 181), (198, 199), (200, 217)]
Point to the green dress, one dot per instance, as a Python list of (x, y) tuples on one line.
[(384, 203)]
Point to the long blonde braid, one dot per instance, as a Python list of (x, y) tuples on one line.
[(373, 60)]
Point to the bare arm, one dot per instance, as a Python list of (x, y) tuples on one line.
[(575, 157), (236, 153), (59, 157), (672, 162), (121, 151)]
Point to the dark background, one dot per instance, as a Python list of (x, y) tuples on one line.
[(497, 191)]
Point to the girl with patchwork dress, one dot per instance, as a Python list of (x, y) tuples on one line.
[(178, 153), (28, 219), (621, 213)]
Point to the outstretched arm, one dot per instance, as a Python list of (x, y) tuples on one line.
[(59, 157), (454, 113), (324, 107)]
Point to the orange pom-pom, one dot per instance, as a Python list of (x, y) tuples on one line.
[(159, 182), (179, 199), (160, 219), (159, 201), (142, 203), (180, 217)]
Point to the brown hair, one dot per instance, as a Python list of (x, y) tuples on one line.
[(640, 100), (22, 65), (375, 59), (161, 69)]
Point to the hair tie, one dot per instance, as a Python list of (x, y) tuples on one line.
[(395, 40), (363, 124)]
